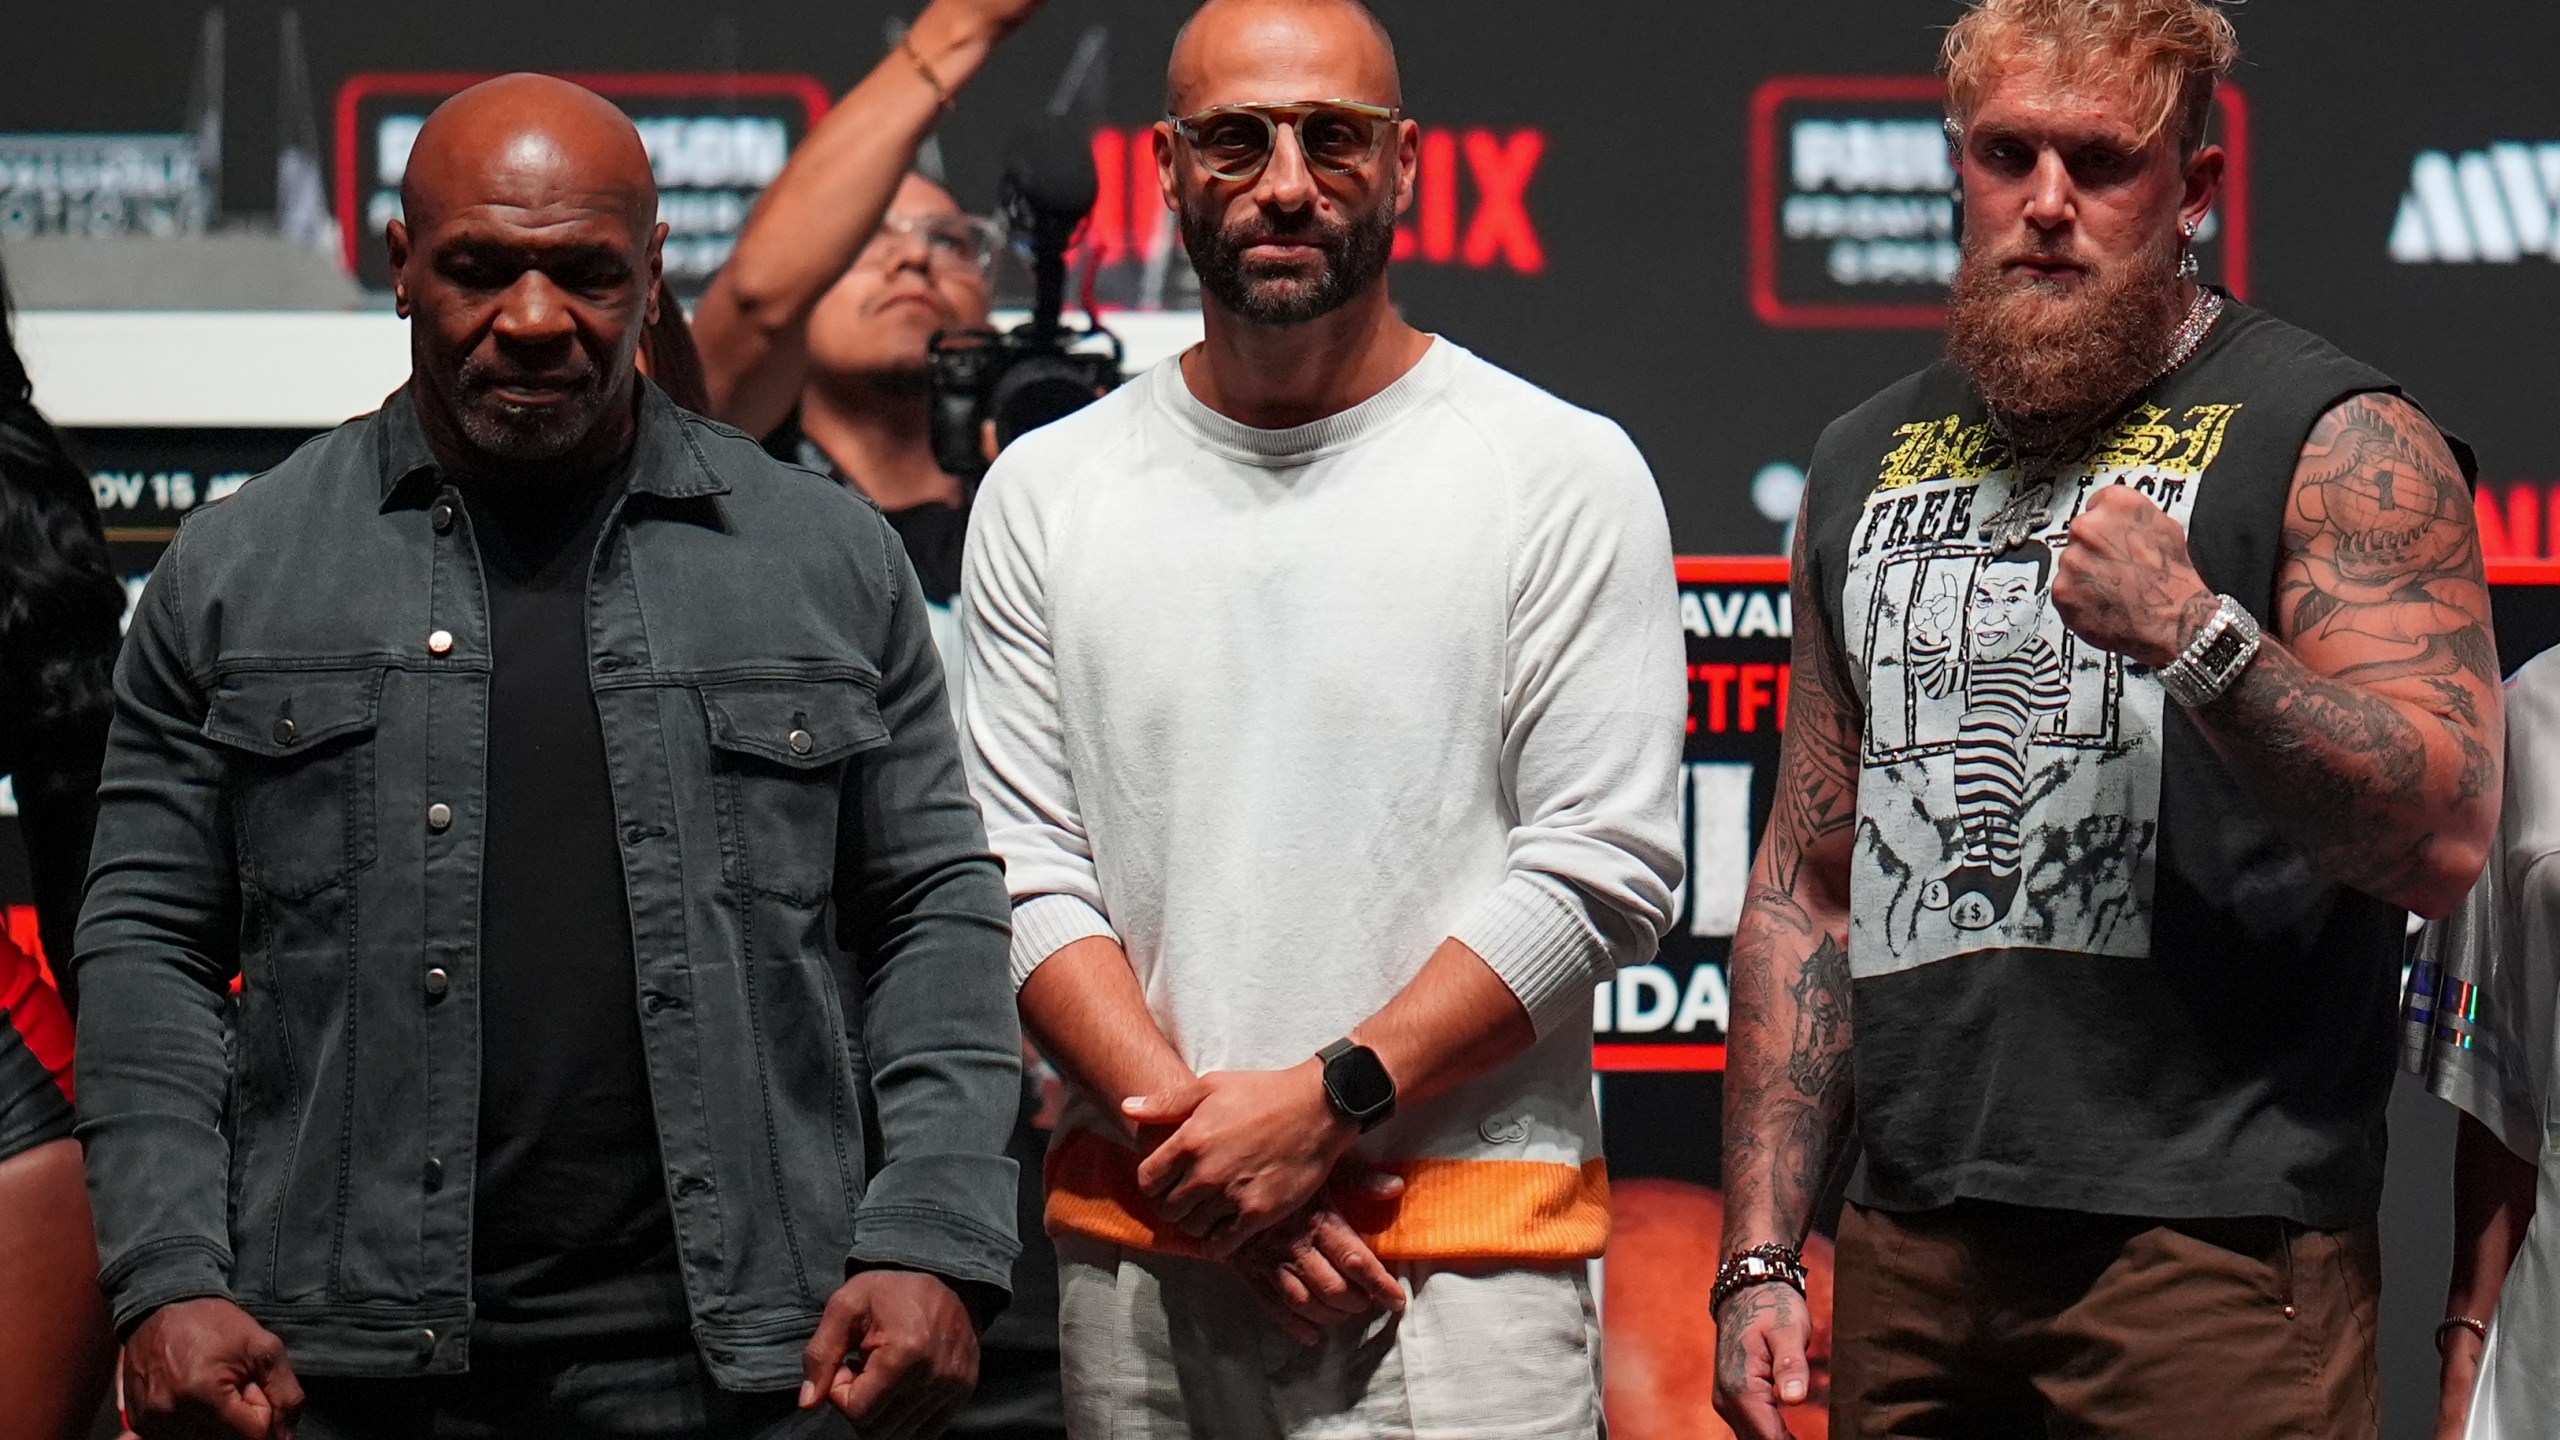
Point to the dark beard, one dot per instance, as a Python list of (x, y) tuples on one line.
[(1355, 255), (2052, 368)]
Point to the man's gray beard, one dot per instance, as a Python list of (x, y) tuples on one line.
[(2052, 368), (531, 435)]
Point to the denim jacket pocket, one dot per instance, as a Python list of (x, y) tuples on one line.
[(302, 787), (779, 752)]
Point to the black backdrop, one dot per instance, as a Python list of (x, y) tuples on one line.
[(1641, 202)]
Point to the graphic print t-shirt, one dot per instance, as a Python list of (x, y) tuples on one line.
[(2088, 972)]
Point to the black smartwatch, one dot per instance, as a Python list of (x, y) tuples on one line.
[(1357, 1085)]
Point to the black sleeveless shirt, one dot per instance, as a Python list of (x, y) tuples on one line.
[(2088, 972)]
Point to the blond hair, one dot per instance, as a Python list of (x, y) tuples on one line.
[(2163, 55)]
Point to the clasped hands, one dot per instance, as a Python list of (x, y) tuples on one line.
[(1249, 1163)]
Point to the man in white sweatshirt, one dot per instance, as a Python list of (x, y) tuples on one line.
[(1325, 704)]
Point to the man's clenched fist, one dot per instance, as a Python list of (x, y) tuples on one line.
[(203, 1370), (2125, 582), (895, 1351)]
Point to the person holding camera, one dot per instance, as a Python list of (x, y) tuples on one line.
[(813, 338), (813, 335)]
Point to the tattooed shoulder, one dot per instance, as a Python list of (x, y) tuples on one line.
[(2382, 550)]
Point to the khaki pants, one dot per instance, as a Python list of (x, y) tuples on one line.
[(1157, 1347), (1990, 1321)]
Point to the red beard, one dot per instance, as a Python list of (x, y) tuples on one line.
[(2055, 365)]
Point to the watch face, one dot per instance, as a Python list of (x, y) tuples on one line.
[(1358, 1082)]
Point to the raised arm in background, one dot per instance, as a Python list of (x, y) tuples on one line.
[(752, 325), (2369, 726), (1786, 1089)]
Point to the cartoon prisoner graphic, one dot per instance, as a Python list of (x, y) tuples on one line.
[(2009, 774), (2012, 681)]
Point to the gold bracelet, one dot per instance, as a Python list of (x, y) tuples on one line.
[(2476, 1327), (941, 95)]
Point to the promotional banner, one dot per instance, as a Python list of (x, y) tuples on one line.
[(715, 141), (1658, 1030), (1854, 216)]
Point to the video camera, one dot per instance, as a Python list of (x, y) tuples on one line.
[(1034, 373)]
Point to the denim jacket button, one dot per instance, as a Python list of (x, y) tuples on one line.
[(284, 731), (427, 1344), (435, 1174), (441, 517), (801, 744), (439, 816), (436, 983), (440, 642)]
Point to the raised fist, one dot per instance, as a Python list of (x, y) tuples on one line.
[(2125, 582)]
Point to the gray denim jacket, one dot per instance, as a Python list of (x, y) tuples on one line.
[(293, 797)]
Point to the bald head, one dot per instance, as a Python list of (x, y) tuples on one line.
[(526, 258), (1302, 222), (527, 141), (1241, 51)]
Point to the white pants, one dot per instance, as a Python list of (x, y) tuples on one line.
[(1156, 1347)]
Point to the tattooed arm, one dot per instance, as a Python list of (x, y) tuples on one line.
[(1786, 1090), (2369, 724)]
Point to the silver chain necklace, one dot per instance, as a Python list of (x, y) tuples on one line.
[(2026, 506)]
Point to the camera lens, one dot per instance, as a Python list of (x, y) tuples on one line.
[(1037, 390)]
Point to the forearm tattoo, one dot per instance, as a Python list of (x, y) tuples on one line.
[(1778, 1302), (1787, 1080), (1817, 795), (2374, 725)]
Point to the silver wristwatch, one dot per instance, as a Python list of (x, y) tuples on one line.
[(2215, 658)]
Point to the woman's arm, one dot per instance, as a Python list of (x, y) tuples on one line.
[(2493, 1194)]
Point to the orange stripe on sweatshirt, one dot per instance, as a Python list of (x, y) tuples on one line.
[(1450, 1209)]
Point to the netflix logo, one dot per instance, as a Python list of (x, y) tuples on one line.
[(1738, 697)]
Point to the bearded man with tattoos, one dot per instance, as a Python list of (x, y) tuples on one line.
[(2083, 911)]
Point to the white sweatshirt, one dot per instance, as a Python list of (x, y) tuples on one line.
[(1282, 710)]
